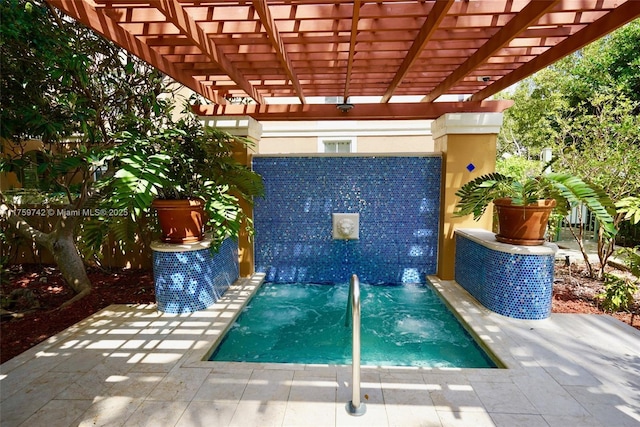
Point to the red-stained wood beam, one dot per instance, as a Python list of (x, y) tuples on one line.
[(179, 17), (389, 111), (616, 18), (269, 24), (355, 17), (436, 15), (527, 16), (83, 12)]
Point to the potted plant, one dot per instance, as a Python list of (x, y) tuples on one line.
[(186, 173), (523, 205)]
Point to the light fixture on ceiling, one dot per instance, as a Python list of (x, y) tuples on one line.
[(345, 107), (484, 79)]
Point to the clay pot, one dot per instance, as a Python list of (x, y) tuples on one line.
[(523, 225), (181, 221)]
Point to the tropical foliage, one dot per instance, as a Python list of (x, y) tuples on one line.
[(618, 293), (69, 88), (108, 140), (585, 108), (183, 161), (568, 190)]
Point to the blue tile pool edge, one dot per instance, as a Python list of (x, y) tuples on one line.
[(256, 281)]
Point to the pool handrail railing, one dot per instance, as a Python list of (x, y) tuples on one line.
[(355, 406)]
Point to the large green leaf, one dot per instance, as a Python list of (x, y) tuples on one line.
[(576, 191), (476, 195)]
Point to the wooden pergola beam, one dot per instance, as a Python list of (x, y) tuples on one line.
[(388, 111), (321, 48), (176, 14), (83, 12), (527, 16), (352, 47), (436, 15), (599, 28), (269, 24)]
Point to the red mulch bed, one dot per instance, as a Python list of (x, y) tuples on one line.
[(575, 292), (30, 321), (25, 324)]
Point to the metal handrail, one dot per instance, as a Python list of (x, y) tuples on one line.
[(355, 406)]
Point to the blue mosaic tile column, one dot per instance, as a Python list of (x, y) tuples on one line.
[(515, 281), (398, 199), (189, 278)]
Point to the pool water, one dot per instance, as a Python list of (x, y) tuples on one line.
[(403, 325)]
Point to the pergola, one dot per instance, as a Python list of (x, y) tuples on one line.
[(386, 60), (390, 59)]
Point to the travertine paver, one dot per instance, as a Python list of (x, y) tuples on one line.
[(130, 365)]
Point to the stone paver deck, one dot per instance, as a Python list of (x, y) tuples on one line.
[(130, 366)]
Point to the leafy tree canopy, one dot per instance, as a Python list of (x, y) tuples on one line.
[(574, 86), (585, 108), (60, 79), (97, 108)]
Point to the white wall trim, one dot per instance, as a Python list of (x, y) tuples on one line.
[(466, 123), (238, 126), (346, 128)]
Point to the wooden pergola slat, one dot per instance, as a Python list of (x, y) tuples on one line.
[(436, 15), (530, 14)]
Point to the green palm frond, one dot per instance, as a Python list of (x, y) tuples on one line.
[(92, 235), (575, 191), (476, 195), (568, 191), (138, 182)]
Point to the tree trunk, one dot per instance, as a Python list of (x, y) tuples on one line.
[(71, 266), (61, 244), (605, 250), (607, 245), (578, 238)]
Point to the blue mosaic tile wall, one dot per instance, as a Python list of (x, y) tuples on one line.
[(193, 280), (398, 199), (513, 285)]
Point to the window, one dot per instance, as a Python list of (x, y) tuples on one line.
[(344, 144), (30, 174), (337, 146), (99, 171)]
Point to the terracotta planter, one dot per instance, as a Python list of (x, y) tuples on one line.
[(523, 225), (181, 221)]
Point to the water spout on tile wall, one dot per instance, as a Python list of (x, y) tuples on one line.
[(346, 226)]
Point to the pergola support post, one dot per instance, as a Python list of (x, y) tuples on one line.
[(467, 142), (251, 129)]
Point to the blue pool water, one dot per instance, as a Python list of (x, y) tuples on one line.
[(403, 325)]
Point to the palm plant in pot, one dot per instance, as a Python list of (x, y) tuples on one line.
[(190, 167), (524, 205)]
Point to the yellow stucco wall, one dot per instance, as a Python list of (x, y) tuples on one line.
[(458, 151), (391, 144), (9, 180)]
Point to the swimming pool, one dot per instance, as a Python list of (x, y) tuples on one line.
[(402, 325)]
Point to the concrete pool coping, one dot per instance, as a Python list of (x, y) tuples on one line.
[(131, 365)]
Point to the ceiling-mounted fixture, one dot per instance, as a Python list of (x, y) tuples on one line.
[(345, 107)]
